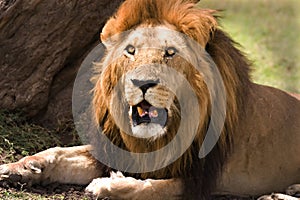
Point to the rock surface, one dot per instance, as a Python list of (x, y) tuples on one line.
[(42, 44)]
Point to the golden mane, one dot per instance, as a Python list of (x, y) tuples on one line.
[(183, 15), (201, 25)]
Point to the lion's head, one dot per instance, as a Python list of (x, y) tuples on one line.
[(148, 71), (138, 94)]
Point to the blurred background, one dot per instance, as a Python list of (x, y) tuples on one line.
[(269, 33)]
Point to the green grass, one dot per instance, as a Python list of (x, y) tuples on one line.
[(268, 32), (19, 138), (21, 195)]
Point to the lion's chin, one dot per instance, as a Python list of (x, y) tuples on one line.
[(150, 131)]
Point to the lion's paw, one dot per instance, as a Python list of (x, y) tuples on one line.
[(116, 187), (28, 170), (277, 196), (293, 190)]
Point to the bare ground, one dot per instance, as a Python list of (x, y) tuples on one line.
[(67, 192)]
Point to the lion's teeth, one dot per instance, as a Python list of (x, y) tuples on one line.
[(153, 113), (140, 111)]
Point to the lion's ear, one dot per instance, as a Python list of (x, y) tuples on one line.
[(114, 29), (108, 31), (199, 24), (104, 34), (123, 20)]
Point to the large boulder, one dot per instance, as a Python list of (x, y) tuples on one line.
[(42, 44)]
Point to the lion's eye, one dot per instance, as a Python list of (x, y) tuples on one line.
[(170, 52), (130, 49)]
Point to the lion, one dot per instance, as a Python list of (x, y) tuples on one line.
[(153, 91)]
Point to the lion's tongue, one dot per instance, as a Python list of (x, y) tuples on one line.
[(145, 108)]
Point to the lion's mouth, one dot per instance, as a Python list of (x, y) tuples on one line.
[(145, 113)]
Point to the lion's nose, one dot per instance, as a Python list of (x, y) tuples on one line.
[(144, 85)]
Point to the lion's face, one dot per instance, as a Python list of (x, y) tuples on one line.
[(143, 84)]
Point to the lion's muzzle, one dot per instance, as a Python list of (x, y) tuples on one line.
[(144, 112), (149, 103)]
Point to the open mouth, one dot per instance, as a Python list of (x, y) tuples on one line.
[(145, 113)]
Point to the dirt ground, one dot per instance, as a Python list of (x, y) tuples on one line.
[(64, 192), (52, 192), (67, 192)]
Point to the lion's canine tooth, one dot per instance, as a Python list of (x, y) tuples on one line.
[(140, 111)]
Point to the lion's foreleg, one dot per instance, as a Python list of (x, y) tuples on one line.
[(119, 187), (293, 190), (74, 165)]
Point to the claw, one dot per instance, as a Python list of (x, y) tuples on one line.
[(2, 177), (114, 175), (35, 167)]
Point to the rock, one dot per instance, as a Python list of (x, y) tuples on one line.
[(42, 44)]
